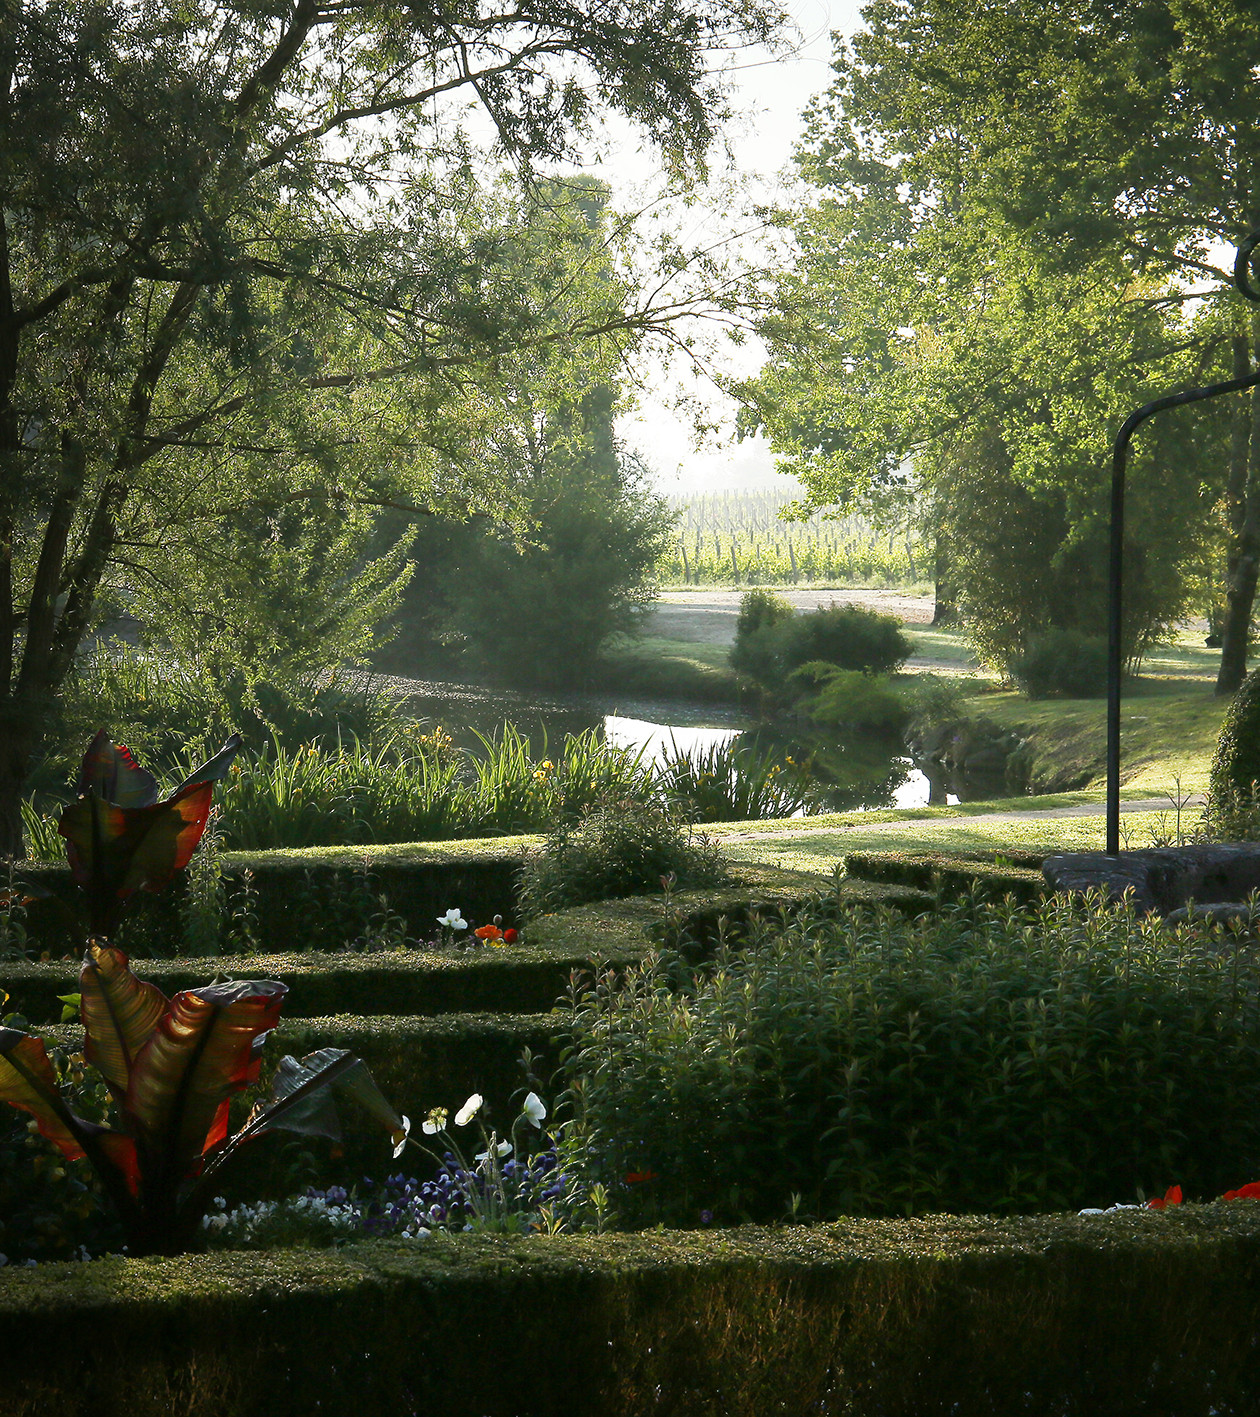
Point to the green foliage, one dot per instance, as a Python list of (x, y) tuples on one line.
[(769, 649), (848, 699), (1235, 777), (283, 321), (1066, 662), (987, 1058), (734, 782), (620, 847), (965, 326), (759, 608)]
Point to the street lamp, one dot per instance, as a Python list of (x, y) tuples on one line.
[(1242, 266)]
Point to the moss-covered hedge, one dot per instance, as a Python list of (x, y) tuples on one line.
[(1136, 1313), (524, 978), (317, 898), (949, 875)]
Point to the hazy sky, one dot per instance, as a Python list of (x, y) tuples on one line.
[(771, 96)]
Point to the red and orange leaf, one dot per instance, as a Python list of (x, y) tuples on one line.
[(169, 836), (119, 1013), (206, 1048), (109, 771), (27, 1081)]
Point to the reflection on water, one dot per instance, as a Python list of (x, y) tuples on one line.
[(859, 775)]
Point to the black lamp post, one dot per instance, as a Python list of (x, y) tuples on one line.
[(1242, 266)]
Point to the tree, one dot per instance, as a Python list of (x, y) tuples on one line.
[(1103, 137), (975, 361), (229, 233)]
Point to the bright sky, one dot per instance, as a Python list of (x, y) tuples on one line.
[(772, 94)]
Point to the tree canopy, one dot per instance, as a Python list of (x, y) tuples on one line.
[(241, 281), (1014, 243)]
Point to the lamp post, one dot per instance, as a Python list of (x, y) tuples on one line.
[(1120, 450)]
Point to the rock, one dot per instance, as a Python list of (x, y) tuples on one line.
[(1162, 879)]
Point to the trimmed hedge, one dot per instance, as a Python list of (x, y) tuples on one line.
[(311, 899), (522, 978), (951, 875), (1136, 1313)]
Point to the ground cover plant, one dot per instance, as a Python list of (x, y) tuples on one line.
[(984, 1058)]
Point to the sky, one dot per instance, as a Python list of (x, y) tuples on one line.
[(771, 94)]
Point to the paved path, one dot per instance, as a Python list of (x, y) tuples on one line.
[(1080, 809)]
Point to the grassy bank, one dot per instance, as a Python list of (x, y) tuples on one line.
[(654, 668)]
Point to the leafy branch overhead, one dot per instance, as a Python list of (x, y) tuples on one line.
[(255, 268)]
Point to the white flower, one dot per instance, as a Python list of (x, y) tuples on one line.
[(399, 1138), (453, 919), (434, 1122), (469, 1110), (503, 1149), (534, 1109)]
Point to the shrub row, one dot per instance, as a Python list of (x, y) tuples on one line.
[(977, 1059), (951, 875), (1138, 1313)]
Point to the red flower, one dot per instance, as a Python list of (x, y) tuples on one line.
[(635, 1178), (491, 934), (1172, 1196), (509, 937), (1249, 1192)]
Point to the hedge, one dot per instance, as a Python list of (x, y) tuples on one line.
[(954, 874), (1134, 1313)]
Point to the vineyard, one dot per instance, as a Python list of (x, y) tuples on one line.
[(737, 538)]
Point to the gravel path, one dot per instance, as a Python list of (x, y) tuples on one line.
[(709, 616)]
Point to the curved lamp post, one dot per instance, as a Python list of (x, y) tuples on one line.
[(1242, 266)]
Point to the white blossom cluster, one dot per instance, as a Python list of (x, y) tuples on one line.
[(312, 1215)]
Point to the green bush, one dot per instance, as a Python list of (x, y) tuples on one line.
[(990, 1059), (770, 645), (1235, 778), (1063, 662), (849, 699), (620, 847)]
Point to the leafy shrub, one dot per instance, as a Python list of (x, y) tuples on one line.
[(758, 608), (846, 698), (846, 636), (987, 1059), (1235, 778), (1063, 662), (620, 847)]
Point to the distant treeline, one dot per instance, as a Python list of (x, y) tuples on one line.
[(737, 538)]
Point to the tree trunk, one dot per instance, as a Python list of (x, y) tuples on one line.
[(946, 609), (1243, 509), (18, 733)]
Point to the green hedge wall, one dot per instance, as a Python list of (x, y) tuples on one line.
[(954, 874), (1137, 1313)]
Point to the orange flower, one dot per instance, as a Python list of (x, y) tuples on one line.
[(489, 933), (1172, 1196)]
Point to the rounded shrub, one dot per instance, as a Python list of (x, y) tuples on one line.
[(1059, 661), (983, 1059), (1235, 778), (621, 846), (848, 636)]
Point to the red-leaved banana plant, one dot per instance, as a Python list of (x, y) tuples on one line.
[(172, 1065)]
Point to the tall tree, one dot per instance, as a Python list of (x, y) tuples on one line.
[(983, 259), (227, 229)]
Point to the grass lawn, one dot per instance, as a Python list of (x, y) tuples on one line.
[(659, 668)]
